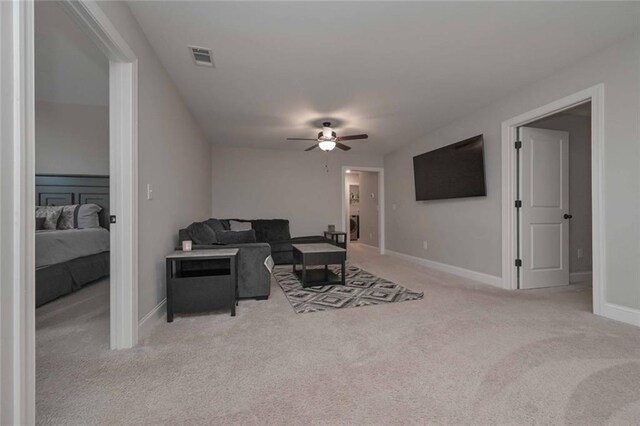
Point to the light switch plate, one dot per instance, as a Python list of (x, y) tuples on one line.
[(149, 192)]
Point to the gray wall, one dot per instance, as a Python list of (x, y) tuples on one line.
[(579, 128), (72, 138), (173, 156), (69, 67), (72, 96), (254, 183), (369, 208), (467, 232)]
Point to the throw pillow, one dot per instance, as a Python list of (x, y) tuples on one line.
[(68, 217), (215, 224), (87, 216), (271, 230), (51, 214), (40, 223), (237, 237), (201, 233), (235, 225)]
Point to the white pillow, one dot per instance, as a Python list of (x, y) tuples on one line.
[(87, 216), (234, 225)]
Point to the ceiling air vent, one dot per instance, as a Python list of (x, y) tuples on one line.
[(201, 56)]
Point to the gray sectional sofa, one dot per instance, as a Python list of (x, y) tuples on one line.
[(260, 239)]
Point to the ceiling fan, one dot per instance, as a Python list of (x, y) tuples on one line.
[(328, 140)]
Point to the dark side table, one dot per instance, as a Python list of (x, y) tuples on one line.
[(213, 284), (339, 238)]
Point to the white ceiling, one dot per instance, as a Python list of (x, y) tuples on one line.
[(69, 68), (393, 70)]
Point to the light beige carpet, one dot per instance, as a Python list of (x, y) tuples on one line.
[(465, 354)]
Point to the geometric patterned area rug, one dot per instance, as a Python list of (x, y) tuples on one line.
[(361, 289)]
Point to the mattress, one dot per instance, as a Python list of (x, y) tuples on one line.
[(53, 247)]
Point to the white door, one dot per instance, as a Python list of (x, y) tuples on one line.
[(544, 216)]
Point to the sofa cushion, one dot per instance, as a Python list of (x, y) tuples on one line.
[(237, 237), (201, 233), (280, 246), (311, 239), (214, 224), (268, 230)]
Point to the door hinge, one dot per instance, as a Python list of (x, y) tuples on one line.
[(518, 144), (518, 263), (518, 204)]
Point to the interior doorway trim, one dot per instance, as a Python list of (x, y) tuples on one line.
[(17, 195), (343, 211), (17, 214), (123, 160), (594, 94)]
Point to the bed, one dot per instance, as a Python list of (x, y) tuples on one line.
[(67, 260)]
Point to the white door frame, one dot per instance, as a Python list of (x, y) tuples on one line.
[(343, 210), (123, 172), (17, 233), (594, 94), (17, 195)]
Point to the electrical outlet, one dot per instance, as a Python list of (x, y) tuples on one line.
[(424, 244), (580, 253)]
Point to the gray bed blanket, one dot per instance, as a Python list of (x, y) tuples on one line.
[(61, 246)]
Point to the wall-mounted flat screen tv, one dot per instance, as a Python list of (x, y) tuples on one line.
[(454, 171)]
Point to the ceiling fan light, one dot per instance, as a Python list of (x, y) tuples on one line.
[(327, 132), (326, 145)]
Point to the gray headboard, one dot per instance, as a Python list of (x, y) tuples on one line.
[(62, 190)]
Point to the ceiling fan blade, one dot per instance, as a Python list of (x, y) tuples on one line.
[(300, 139), (312, 147), (342, 146), (352, 137)]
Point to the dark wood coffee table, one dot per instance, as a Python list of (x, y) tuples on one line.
[(318, 254)]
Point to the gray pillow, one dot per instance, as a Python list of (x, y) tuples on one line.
[(237, 237), (51, 214), (201, 233), (68, 217), (235, 225), (40, 223), (87, 216)]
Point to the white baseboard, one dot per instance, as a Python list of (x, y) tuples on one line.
[(149, 321), (367, 245), (621, 313), (455, 270), (578, 277)]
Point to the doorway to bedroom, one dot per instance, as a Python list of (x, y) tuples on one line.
[(540, 239), (72, 189), (363, 206), (555, 216)]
